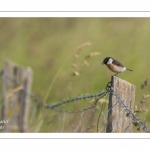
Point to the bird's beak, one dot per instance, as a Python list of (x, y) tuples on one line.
[(102, 63)]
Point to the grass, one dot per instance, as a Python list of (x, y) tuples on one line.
[(48, 45)]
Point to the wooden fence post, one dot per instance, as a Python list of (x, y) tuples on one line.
[(16, 104), (118, 121)]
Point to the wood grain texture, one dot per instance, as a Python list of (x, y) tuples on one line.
[(118, 121)]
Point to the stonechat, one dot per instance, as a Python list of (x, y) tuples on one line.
[(114, 65)]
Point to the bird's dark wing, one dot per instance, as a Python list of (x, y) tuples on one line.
[(118, 63)]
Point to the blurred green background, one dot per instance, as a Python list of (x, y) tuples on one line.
[(50, 46)]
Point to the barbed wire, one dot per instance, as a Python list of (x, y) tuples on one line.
[(136, 120), (109, 90), (47, 106)]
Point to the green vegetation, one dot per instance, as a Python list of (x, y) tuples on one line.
[(49, 46)]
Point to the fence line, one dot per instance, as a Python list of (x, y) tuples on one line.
[(109, 90)]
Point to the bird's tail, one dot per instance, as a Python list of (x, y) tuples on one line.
[(129, 69)]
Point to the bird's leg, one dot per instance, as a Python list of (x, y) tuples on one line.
[(116, 74)]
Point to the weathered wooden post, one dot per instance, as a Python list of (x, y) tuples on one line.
[(15, 101), (118, 121)]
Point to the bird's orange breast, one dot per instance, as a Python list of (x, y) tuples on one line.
[(114, 68)]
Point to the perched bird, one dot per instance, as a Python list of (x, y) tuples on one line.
[(114, 65)]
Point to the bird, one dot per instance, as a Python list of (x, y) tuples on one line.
[(114, 65)]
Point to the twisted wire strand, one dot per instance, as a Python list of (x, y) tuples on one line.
[(129, 112), (102, 94)]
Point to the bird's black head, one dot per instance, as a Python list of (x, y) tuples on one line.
[(106, 60)]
